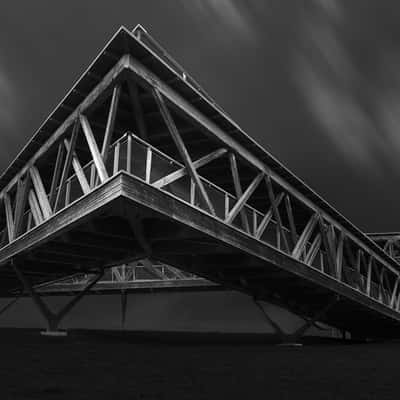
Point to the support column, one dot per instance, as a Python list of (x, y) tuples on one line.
[(53, 319), (293, 338), (124, 301), (281, 335), (8, 305)]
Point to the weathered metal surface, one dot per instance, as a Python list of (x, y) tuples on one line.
[(174, 179)]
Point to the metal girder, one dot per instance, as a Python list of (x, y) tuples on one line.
[(94, 150), (110, 122), (40, 192), (56, 174), (20, 203), (67, 163), (35, 208), (238, 189), (268, 216), (182, 148), (305, 236), (79, 173), (275, 211), (9, 216), (173, 176), (243, 199)]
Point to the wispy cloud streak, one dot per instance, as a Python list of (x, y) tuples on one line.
[(7, 101), (224, 17), (8, 111), (360, 117)]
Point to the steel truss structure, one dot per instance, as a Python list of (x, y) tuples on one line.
[(389, 242), (138, 162), (140, 275)]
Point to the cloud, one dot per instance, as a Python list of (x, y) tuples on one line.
[(340, 116), (222, 16), (359, 116), (7, 101), (8, 113), (326, 77)]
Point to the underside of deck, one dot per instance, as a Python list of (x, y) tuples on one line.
[(126, 218)]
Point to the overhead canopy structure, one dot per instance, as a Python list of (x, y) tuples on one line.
[(137, 161)]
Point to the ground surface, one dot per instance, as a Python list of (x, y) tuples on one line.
[(105, 366)]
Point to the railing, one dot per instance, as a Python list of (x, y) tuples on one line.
[(146, 162), (135, 156), (71, 191)]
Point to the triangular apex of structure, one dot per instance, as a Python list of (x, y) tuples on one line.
[(144, 36), (139, 29)]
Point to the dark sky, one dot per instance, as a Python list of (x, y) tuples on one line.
[(315, 82)]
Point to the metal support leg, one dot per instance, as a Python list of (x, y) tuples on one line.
[(278, 330), (293, 338), (302, 330), (124, 300), (8, 305), (53, 319)]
